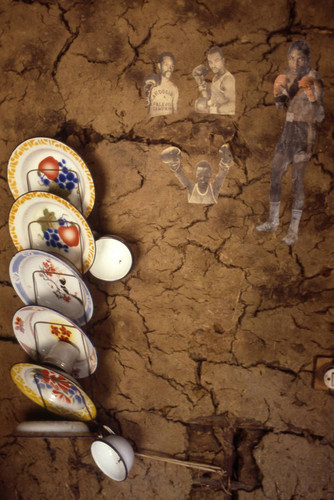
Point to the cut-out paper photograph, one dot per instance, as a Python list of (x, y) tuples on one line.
[(161, 94), (201, 190), (300, 91), (217, 97)]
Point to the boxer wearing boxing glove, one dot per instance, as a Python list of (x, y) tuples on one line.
[(302, 89), (219, 97), (161, 94)]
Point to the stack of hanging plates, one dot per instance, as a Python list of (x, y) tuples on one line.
[(54, 193)]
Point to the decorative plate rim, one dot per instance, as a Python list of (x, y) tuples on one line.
[(28, 252), (24, 198), (28, 144), (16, 375)]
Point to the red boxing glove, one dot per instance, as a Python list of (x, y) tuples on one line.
[(280, 85), (306, 84)]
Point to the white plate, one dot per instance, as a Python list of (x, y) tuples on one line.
[(113, 259), (39, 328), (53, 390), (52, 427), (69, 176), (44, 279), (47, 222)]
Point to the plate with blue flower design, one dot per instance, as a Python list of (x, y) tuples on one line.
[(54, 390), (44, 221), (43, 164)]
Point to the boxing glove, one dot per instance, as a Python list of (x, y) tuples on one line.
[(306, 84)]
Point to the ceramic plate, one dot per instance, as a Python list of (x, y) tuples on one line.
[(42, 164), (46, 222), (44, 279), (53, 390), (52, 427), (113, 259), (39, 328)]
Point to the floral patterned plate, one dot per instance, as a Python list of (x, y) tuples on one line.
[(39, 328), (43, 164), (53, 390), (44, 279), (47, 222)]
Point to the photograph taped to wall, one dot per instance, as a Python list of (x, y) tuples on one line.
[(161, 94), (219, 96), (300, 90), (202, 191)]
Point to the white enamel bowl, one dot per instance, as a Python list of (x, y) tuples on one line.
[(113, 259), (114, 456)]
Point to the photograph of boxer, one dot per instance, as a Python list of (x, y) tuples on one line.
[(219, 96), (161, 94), (300, 90), (201, 191)]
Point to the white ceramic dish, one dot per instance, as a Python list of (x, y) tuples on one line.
[(47, 222), (114, 455), (66, 175), (52, 428), (53, 390), (39, 328), (113, 259), (44, 279)]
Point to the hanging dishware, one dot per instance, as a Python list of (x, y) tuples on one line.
[(44, 221), (53, 389), (44, 279), (113, 454), (43, 164), (113, 259)]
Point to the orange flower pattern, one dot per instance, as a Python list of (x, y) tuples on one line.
[(61, 332), (19, 324)]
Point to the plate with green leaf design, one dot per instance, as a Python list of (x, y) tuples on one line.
[(43, 164), (44, 221)]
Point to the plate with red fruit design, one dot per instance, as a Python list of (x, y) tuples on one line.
[(39, 328), (44, 279), (44, 221), (53, 389), (43, 164)]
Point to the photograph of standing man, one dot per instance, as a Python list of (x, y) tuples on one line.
[(161, 94), (300, 90), (219, 97)]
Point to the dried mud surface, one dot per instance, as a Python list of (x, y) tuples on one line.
[(206, 349)]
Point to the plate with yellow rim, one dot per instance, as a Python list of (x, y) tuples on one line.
[(44, 164), (44, 221), (54, 390), (39, 328)]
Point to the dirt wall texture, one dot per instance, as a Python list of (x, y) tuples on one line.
[(207, 348)]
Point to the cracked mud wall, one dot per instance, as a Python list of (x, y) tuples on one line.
[(206, 349)]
